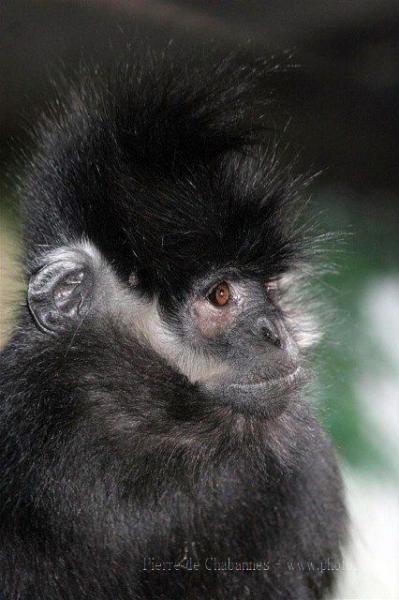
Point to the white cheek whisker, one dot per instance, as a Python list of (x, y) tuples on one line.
[(140, 316), (148, 326)]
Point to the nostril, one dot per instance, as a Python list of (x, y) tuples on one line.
[(271, 337), (269, 331)]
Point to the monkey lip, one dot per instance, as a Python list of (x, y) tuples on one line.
[(267, 398), (275, 382)]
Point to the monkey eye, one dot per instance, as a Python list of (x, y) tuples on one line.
[(133, 280), (220, 295)]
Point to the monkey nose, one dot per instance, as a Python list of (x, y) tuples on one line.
[(268, 331)]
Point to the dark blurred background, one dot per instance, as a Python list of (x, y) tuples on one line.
[(341, 106), (343, 99)]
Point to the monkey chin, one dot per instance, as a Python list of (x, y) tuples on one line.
[(265, 399)]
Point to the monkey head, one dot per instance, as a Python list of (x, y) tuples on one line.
[(208, 290), (183, 222)]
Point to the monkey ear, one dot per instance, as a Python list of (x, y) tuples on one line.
[(60, 294)]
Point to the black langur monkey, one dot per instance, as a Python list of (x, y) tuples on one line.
[(157, 440)]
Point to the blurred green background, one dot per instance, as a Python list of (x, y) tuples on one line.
[(342, 105)]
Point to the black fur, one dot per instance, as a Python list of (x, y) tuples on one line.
[(120, 479)]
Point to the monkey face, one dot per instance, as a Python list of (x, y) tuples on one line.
[(235, 337), (238, 327)]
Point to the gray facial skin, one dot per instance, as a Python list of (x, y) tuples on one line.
[(250, 338)]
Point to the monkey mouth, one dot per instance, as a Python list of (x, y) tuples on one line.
[(266, 399), (293, 377)]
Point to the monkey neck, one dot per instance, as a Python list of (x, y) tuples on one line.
[(186, 453)]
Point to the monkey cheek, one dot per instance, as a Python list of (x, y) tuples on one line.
[(210, 321)]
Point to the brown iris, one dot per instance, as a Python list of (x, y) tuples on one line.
[(220, 295)]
